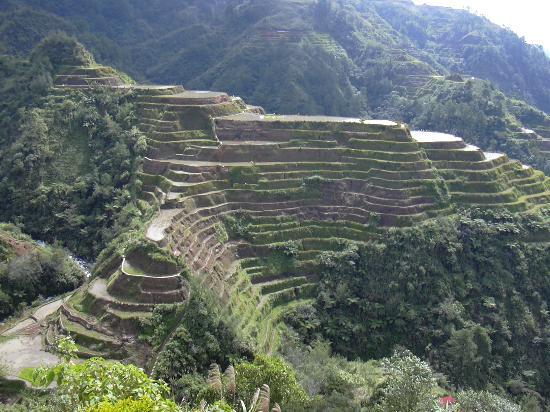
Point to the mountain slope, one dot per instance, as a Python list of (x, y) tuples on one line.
[(267, 212), (355, 58), (465, 43), (371, 42)]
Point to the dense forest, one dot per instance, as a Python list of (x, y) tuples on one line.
[(68, 162), (467, 293)]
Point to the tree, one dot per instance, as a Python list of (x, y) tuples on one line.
[(471, 401), (98, 384), (470, 351), (59, 49), (409, 384), (277, 375)]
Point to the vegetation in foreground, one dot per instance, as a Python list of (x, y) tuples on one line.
[(401, 382)]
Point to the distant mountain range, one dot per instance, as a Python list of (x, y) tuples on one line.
[(366, 58)]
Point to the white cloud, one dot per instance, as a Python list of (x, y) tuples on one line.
[(528, 18)]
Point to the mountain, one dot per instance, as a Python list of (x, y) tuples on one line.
[(260, 49), (277, 247), (227, 234), (381, 59)]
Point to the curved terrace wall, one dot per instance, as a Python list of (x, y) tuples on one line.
[(250, 200)]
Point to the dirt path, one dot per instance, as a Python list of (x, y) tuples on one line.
[(38, 316), (23, 349)]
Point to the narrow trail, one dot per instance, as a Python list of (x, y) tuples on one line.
[(23, 348), (39, 314)]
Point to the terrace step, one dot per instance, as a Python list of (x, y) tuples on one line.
[(278, 285), (92, 339), (98, 289)]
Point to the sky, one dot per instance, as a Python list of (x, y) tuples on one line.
[(528, 18)]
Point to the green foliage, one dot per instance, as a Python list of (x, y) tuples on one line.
[(144, 404), (60, 50), (332, 382), (151, 252), (470, 401), (313, 184), (66, 348), (469, 351), (237, 225), (69, 163), (161, 323), (96, 383), (203, 337), (28, 374), (305, 321), (289, 248), (408, 386), (36, 273), (278, 375), (243, 175), (282, 258), (221, 233), (467, 292)]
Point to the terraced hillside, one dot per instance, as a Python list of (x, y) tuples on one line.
[(249, 201)]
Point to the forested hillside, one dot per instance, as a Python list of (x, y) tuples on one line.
[(364, 58), (68, 162), (366, 46)]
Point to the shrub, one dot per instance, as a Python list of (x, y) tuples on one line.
[(408, 386), (471, 401), (144, 404), (96, 383), (278, 375), (237, 225), (243, 175)]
